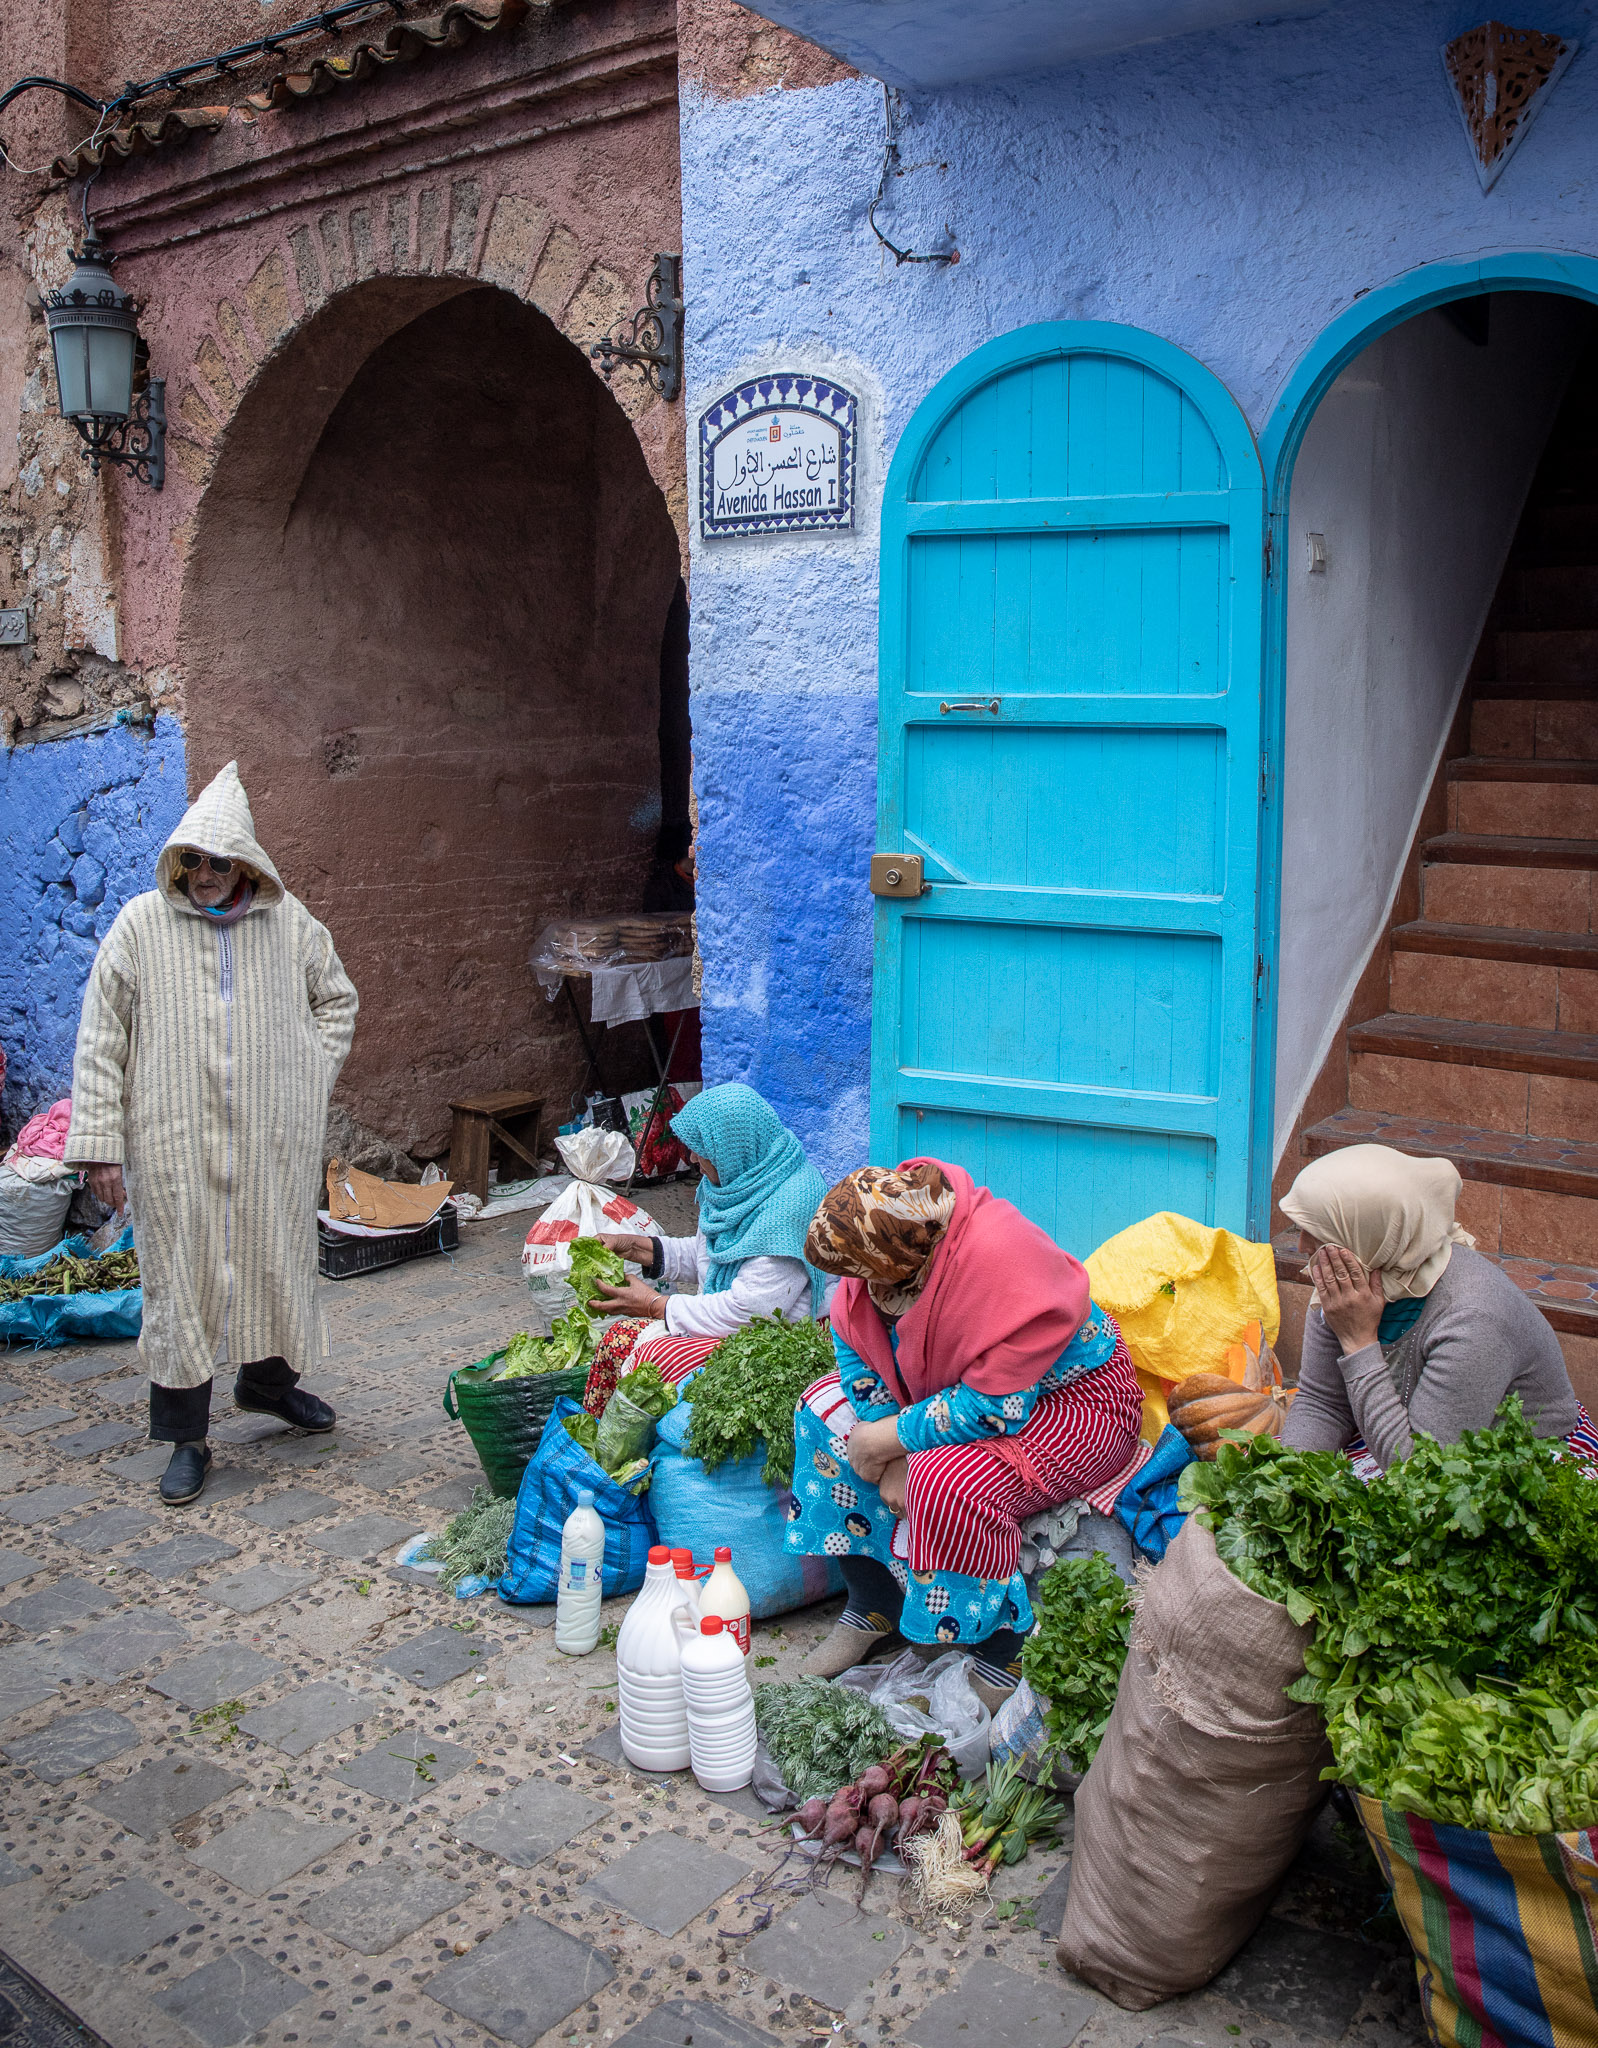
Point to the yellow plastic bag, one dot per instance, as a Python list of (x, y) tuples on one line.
[(1182, 1294)]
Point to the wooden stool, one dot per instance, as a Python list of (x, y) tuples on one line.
[(508, 1120)]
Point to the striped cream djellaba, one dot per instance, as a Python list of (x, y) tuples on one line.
[(206, 1053)]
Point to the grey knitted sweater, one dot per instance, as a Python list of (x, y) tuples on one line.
[(1478, 1339)]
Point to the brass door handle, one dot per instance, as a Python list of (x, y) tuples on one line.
[(897, 874)]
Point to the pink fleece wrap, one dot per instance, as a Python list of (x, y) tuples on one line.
[(1000, 1304)]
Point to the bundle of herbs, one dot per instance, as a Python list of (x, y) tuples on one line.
[(1455, 1607), (112, 1273), (476, 1542), (819, 1735), (747, 1393), (1074, 1655)]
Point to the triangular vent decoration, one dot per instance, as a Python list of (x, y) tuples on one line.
[(1500, 76)]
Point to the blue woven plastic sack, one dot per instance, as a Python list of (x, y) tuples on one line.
[(1147, 1503), (47, 1320), (697, 1510), (548, 1493)]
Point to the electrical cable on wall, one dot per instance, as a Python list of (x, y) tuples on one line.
[(890, 163)]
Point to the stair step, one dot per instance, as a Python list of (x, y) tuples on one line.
[(1554, 1166), (1566, 654), (1499, 942), (1518, 690), (1508, 1048), (1528, 803), (1567, 1295), (1555, 594), (1495, 768), (1511, 850), (1541, 723), (1479, 987)]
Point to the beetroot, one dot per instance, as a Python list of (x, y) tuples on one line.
[(873, 1781), (812, 1816)]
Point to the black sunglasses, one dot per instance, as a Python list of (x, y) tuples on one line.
[(218, 863)]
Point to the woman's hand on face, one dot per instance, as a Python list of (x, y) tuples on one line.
[(1351, 1300), (894, 1484), (873, 1447), (626, 1246), (633, 1298)]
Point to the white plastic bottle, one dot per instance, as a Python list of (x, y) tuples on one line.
[(580, 1588), (721, 1708), (724, 1593), (689, 1590), (654, 1721)]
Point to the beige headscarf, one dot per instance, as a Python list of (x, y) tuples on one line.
[(1394, 1213)]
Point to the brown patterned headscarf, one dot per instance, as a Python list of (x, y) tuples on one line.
[(881, 1225)]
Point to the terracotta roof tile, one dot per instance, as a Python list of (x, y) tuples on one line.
[(166, 130), (405, 40)]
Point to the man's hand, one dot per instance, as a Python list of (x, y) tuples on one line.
[(894, 1485), (873, 1447), (106, 1186), (1351, 1300)]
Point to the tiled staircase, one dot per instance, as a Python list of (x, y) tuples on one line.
[(1488, 1052)]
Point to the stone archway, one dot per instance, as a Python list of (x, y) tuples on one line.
[(424, 598)]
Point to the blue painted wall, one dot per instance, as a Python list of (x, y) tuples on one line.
[(81, 822), (1231, 191)]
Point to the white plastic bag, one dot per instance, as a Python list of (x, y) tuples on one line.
[(32, 1215), (586, 1209), (953, 1710)]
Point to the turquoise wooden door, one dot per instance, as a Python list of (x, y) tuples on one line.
[(1070, 670)]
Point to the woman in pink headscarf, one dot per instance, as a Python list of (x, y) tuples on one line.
[(977, 1385)]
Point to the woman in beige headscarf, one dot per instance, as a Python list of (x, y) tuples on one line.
[(1410, 1328)]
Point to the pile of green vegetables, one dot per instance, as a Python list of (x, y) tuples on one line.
[(1074, 1655), (475, 1543), (1455, 1605), (747, 1393), (112, 1274), (573, 1336), (619, 1439), (820, 1735)]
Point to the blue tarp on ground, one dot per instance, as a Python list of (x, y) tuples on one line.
[(48, 1320)]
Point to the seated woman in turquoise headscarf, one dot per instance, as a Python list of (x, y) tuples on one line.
[(757, 1195)]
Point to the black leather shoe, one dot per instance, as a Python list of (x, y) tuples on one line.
[(292, 1405), (184, 1478)]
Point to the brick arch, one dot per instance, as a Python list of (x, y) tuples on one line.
[(424, 594)]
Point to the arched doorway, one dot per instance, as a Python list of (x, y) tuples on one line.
[(424, 609), (1069, 691)]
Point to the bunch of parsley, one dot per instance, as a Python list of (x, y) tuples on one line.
[(1455, 1607), (749, 1389), (1074, 1655)]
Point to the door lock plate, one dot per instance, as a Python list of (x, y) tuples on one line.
[(897, 874)]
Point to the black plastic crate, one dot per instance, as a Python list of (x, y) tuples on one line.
[(341, 1258)]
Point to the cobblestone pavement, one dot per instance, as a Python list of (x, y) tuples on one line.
[(262, 1786)]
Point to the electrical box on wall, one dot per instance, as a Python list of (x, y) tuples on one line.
[(14, 627)]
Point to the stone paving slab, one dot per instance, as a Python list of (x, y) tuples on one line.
[(128, 1391), (29, 1421), (99, 1436), (93, 1363), (666, 1880), (272, 1845), (9, 1393), (365, 1536), (525, 1825), (59, 1605), (676, 2022), (440, 1654), (123, 1922), (160, 1796), (249, 1591), (106, 1528), (11, 1873), (372, 1911), (142, 1465), (827, 1949), (16, 1565), (1000, 2008), (230, 1999), (44, 1503), (179, 1555), (288, 1510), (128, 1642), (450, 1498), (74, 1743), (1310, 1980), (27, 1676), (307, 1717), (392, 1468), (1049, 1907), (224, 1672), (389, 1771), (227, 1482), (523, 1980)]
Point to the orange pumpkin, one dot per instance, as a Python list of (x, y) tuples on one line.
[(1252, 1398)]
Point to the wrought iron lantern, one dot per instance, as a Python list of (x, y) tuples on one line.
[(94, 337)]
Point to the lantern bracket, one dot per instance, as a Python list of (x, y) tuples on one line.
[(651, 341), (136, 444)]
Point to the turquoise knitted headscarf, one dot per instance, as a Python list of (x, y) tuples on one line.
[(769, 1191)]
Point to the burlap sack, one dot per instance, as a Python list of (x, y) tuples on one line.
[(1203, 1789)]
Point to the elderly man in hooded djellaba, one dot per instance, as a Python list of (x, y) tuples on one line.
[(215, 1022)]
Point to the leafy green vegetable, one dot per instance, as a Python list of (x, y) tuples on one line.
[(573, 1337), (593, 1262), (1074, 1655), (748, 1392), (475, 1542), (1455, 1606), (584, 1429), (646, 1387), (820, 1735)]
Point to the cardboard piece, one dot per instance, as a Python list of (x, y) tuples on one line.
[(356, 1197)]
